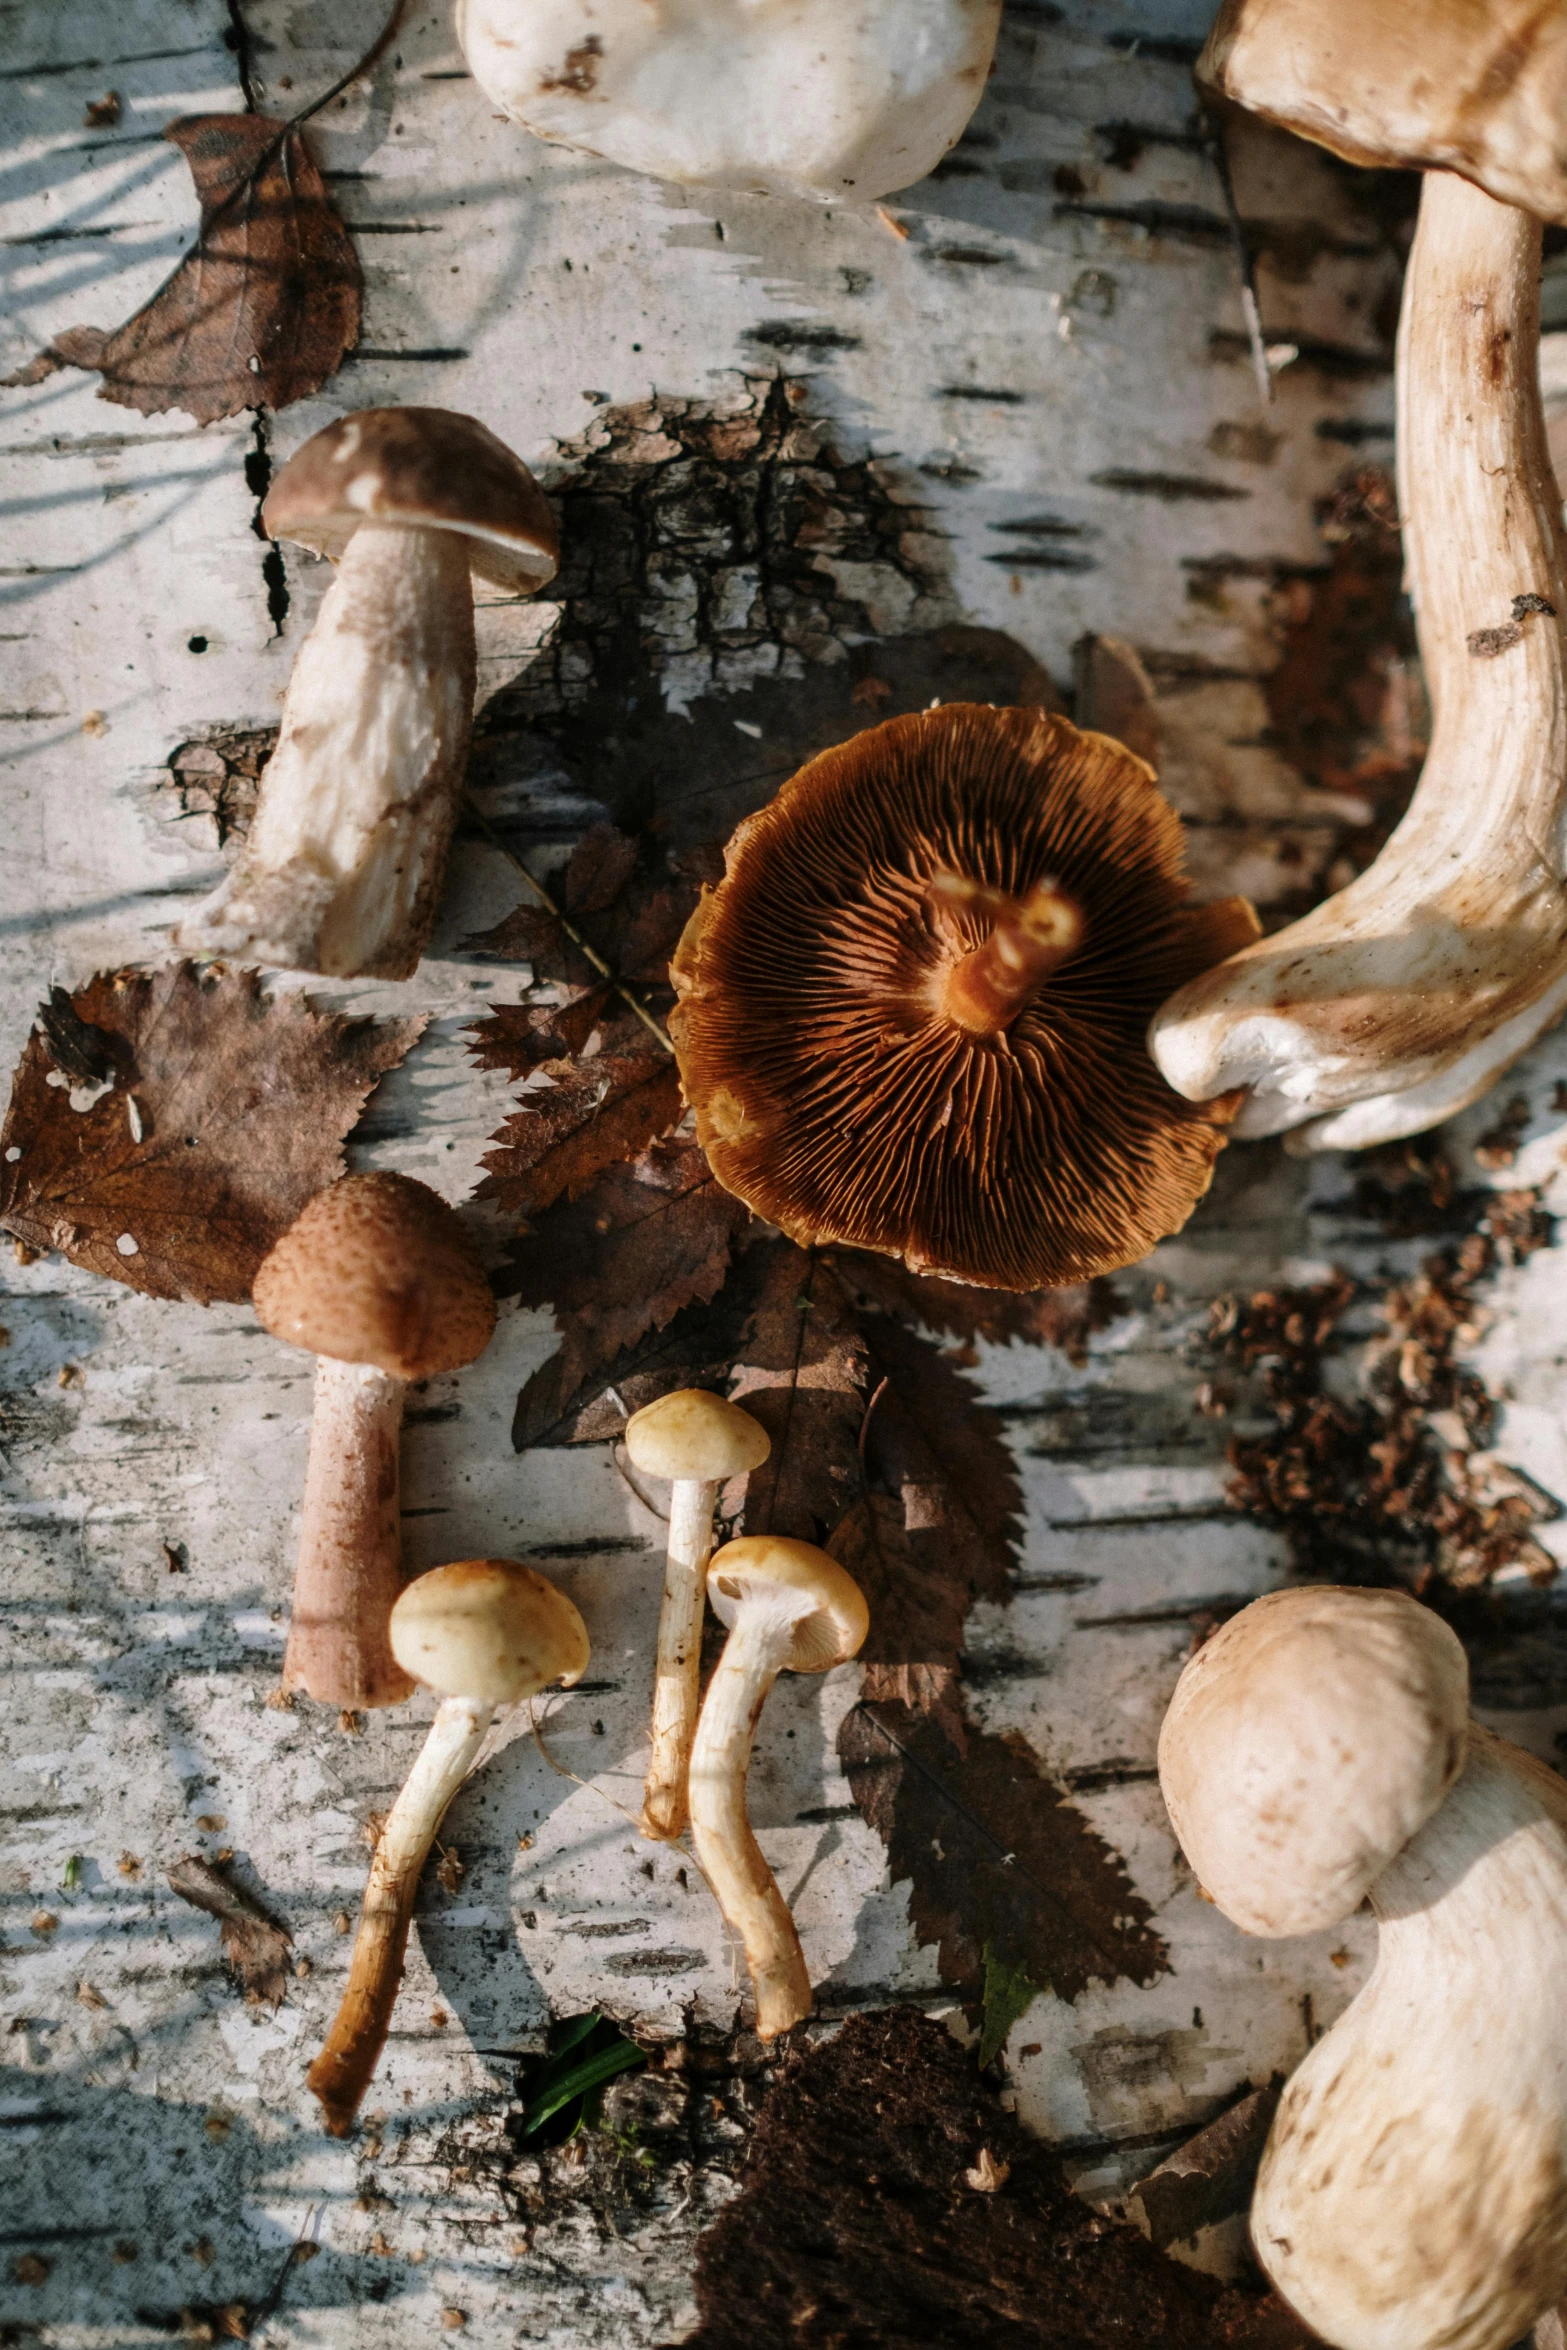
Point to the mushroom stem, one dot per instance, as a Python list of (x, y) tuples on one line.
[(677, 1675), (1030, 938), (342, 2072), (350, 1542), (344, 861), (743, 1884), (1411, 2190), (1398, 1001)]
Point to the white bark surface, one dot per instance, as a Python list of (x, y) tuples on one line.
[(1023, 356)]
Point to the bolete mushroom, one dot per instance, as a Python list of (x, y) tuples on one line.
[(343, 865), (483, 1633), (789, 1608), (912, 1014), (696, 1440), (378, 1279), (1401, 999), (1414, 2186), (812, 98)]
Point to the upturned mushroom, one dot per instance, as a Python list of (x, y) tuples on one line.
[(1401, 999), (1414, 2186), (913, 1013), (696, 1440), (378, 1280), (834, 103), (483, 1633), (788, 1608), (342, 869)]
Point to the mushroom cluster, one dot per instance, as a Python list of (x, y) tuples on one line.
[(835, 101), (1395, 1003), (912, 1014), (1318, 1752)]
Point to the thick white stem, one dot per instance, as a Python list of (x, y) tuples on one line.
[(1414, 2188), (678, 1673), (1404, 997), (343, 867), (731, 1858), (342, 2072), (349, 1571)]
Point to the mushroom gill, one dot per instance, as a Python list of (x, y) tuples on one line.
[(912, 1014)]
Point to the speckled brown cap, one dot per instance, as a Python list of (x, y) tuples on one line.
[(913, 1013), (378, 1270), (422, 467), (489, 1629)]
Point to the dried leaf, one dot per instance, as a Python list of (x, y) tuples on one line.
[(629, 906), (1009, 1994), (255, 1946), (226, 1114), (262, 308), (858, 2221), (802, 1373), (580, 1117), (1212, 2175), (648, 1240), (1066, 1318)]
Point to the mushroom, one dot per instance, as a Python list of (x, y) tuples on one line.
[(483, 1633), (912, 1014), (696, 1440), (1401, 999), (788, 1608), (378, 1279), (820, 100), (343, 866), (1414, 2186)]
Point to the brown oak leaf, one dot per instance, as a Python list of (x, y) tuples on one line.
[(649, 1239), (262, 308), (224, 1112), (255, 1946)]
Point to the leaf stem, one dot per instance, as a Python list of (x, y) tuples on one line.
[(650, 1022)]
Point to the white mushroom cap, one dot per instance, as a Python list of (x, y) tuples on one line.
[(490, 1630), (694, 1434), (839, 101), (1306, 1743)]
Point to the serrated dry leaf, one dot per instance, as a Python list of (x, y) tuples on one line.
[(579, 1117), (225, 1114), (262, 308), (630, 907), (802, 1373), (1066, 1318), (255, 1946), (648, 1240)]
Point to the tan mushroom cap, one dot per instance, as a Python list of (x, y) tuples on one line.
[(1478, 87), (1306, 1743), (378, 1270), (836, 1626), (488, 1629), (695, 1434), (840, 1086), (425, 468)]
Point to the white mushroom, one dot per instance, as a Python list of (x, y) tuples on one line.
[(833, 100), (789, 1608), (1414, 2187), (1398, 1001), (697, 1440), (484, 1633), (343, 865)]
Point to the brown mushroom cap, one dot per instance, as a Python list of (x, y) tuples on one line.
[(378, 1270), (756, 1563), (695, 1434), (833, 1089), (424, 468), (1478, 87), (489, 1629)]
